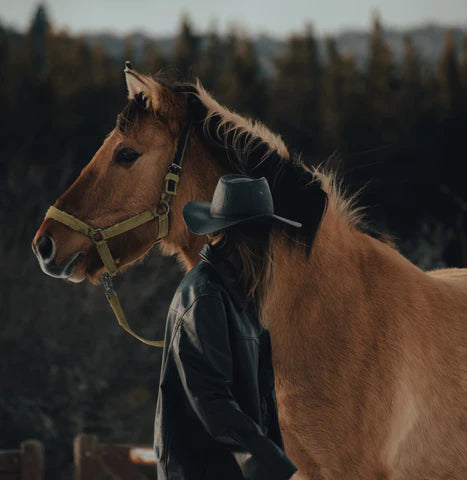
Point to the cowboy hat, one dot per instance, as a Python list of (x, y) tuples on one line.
[(237, 199)]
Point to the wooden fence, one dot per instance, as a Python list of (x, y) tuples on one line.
[(96, 461), (93, 461), (26, 463)]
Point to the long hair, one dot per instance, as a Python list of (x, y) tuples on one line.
[(246, 246)]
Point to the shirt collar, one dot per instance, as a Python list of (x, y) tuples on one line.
[(228, 273)]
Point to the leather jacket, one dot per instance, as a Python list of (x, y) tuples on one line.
[(216, 415)]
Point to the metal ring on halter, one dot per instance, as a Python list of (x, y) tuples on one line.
[(165, 206), (97, 235)]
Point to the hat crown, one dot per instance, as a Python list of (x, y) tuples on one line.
[(239, 196)]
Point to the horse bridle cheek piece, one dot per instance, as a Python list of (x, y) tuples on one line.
[(100, 235)]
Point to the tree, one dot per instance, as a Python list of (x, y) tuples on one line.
[(342, 96), (381, 86), (295, 103), (241, 82), (464, 65), (212, 62), (153, 60), (128, 49), (449, 75), (186, 50), (412, 90), (38, 31)]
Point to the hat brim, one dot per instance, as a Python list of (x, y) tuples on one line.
[(198, 218)]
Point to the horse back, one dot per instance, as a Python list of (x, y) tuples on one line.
[(455, 275)]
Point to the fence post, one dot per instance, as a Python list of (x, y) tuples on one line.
[(86, 457), (32, 460)]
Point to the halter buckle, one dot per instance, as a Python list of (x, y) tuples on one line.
[(171, 182), (108, 285), (97, 235), (174, 168)]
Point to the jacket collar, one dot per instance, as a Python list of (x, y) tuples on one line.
[(228, 273)]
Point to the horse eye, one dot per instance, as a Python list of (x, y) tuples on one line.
[(126, 156)]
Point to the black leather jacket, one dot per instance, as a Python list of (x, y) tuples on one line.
[(216, 415)]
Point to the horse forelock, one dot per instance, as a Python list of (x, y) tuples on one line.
[(129, 119)]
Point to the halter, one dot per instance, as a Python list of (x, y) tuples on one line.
[(100, 235)]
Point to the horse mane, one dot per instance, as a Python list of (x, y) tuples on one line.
[(248, 147), (299, 192), (244, 131)]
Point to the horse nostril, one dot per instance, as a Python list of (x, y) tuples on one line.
[(45, 247)]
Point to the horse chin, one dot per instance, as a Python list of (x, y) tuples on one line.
[(93, 275), (76, 279), (78, 273)]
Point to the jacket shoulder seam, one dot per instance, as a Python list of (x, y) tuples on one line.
[(187, 309)]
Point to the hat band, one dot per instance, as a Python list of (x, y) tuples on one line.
[(219, 216)]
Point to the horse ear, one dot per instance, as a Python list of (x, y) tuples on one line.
[(142, 88), (135, 82), (149, 93)]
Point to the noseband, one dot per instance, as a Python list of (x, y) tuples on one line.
[(100, 235)]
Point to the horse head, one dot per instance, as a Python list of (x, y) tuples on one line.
[(125, 177)]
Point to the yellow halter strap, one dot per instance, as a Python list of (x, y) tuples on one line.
[(100, 235)]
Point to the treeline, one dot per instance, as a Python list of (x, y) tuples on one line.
[(398, 124), (397, 127)]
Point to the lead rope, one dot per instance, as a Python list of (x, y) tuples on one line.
[(114, 303), (172, 178), (100, 236)]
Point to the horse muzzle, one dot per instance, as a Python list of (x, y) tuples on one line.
[(45, 250)]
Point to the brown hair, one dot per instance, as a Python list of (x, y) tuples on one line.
[(248, 244)]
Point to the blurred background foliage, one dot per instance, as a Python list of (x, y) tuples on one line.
[(393, 123)]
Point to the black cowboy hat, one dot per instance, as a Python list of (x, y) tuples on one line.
[(237, 199)]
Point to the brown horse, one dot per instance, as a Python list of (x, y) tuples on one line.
[(369, 351)]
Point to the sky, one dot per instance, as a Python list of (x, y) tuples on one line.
[(276, 17)]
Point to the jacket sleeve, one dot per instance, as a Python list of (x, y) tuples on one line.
[(267, 390), (202, 353)]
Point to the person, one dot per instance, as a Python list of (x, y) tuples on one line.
[(216, 414)]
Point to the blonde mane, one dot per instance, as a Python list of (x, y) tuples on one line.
[(343, 203), (238, 126), (245, 134), (250, 142)]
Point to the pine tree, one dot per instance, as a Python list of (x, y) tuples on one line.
[(212, 62), (342, 97), (128, 49), (464, 63), (38, 31), (452, 116), (242, 85), (295, 103), (186, 50), (381, 89), (153, 60), (463, 73), (412, 90), (450, 77)]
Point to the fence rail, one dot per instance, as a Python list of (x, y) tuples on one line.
[(25, 463), (94, 459)]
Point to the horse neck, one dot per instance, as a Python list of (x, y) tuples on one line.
[(343, 279)]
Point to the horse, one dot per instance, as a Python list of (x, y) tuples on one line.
[(369, 351)]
